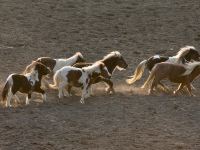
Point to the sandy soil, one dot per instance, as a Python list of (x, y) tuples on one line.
[(126, 120)]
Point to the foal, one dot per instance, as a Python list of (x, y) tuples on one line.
[(112, 61), (72, 76), (183, 74), (186, 53), (26, 83)]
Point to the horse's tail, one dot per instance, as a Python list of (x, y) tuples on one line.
[(149, 80), (6, 88), (55, 81), (138, 72)]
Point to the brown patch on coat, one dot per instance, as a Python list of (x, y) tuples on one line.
[(73, 76)]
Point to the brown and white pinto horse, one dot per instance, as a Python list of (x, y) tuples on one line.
[(183, 74), (184, 55), (56, 64), (27, 83), (112, 61), (72, 76)]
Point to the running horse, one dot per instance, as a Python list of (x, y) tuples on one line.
[(79, 77), (112, 61), (176, 73), (185, 54), (25, 83), (56, 64)]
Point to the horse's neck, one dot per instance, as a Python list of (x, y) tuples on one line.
[(175, 59), (110, 64), (71, 60)]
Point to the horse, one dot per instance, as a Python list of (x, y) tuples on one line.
[(184, 55), (24, 83), (177, 73), (56, 64), (112, 61), (78, 77)]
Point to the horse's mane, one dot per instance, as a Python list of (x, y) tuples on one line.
[(190, 67), (111, 54), (30, 67), (184, 51)]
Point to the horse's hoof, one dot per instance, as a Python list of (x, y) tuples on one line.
[(82, 101)]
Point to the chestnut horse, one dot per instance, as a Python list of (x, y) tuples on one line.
[(183, 74), (185, 54), (112, 61)]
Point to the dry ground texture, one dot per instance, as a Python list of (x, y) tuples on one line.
[(124, 121)]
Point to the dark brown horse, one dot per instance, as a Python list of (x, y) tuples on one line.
[(183, 74), (112, 61)]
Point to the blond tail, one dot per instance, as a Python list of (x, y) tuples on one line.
[(55, 81), (138, 72), (149, 80)]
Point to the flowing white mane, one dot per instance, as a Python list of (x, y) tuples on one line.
[(180, 54), (111, 54), (190, 67), (184, 51)]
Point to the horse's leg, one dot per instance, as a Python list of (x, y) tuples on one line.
[(154, 84), (110, 88), (28, 97), (189, 89), (180, 87), (60, 89), (42, 92), (192, 87), (16, 98), (84, 93), (68, 91), (9, 97), (163, 86)]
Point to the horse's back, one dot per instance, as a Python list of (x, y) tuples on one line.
[(47, 61), (81, 65), (170, 68), (155, 60)]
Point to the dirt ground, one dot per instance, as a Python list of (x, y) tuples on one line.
[(127, 120)]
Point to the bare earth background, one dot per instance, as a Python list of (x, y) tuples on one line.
[(123, 121)]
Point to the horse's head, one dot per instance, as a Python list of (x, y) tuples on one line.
[(113, 60), (193, 55), (121, 63), (104, 71), (42, 69), (79, 57)]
